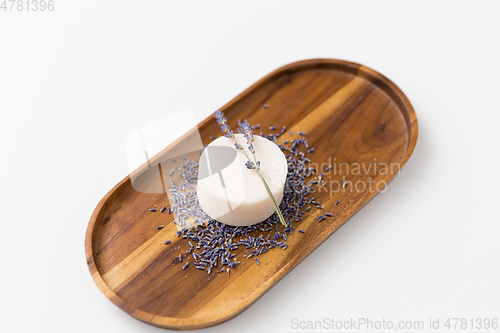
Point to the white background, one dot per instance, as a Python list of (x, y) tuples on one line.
[(75, 82)]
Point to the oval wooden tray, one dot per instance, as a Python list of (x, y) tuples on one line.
[(351, 114)]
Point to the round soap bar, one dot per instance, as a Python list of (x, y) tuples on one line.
[(232, 194)]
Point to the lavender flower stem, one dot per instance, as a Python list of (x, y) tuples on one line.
[(247, 132), (278, 211), (276, 207)]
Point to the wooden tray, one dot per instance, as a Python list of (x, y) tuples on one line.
[(351, 114)]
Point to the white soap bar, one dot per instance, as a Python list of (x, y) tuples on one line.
[(232, 194)]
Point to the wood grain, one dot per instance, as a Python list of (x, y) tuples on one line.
[(352, 115)]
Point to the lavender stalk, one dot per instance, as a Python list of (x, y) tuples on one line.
[(246, 129)]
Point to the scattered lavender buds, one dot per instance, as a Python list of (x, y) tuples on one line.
[(160, 227), (212, 244), (162, 209), (167, 242), (152, 209), (265, 106), (183, 197), (336, 203)]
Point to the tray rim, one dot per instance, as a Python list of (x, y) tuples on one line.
[(395, 93)]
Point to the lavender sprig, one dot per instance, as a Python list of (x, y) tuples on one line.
[(246, 130), (222, 121)]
